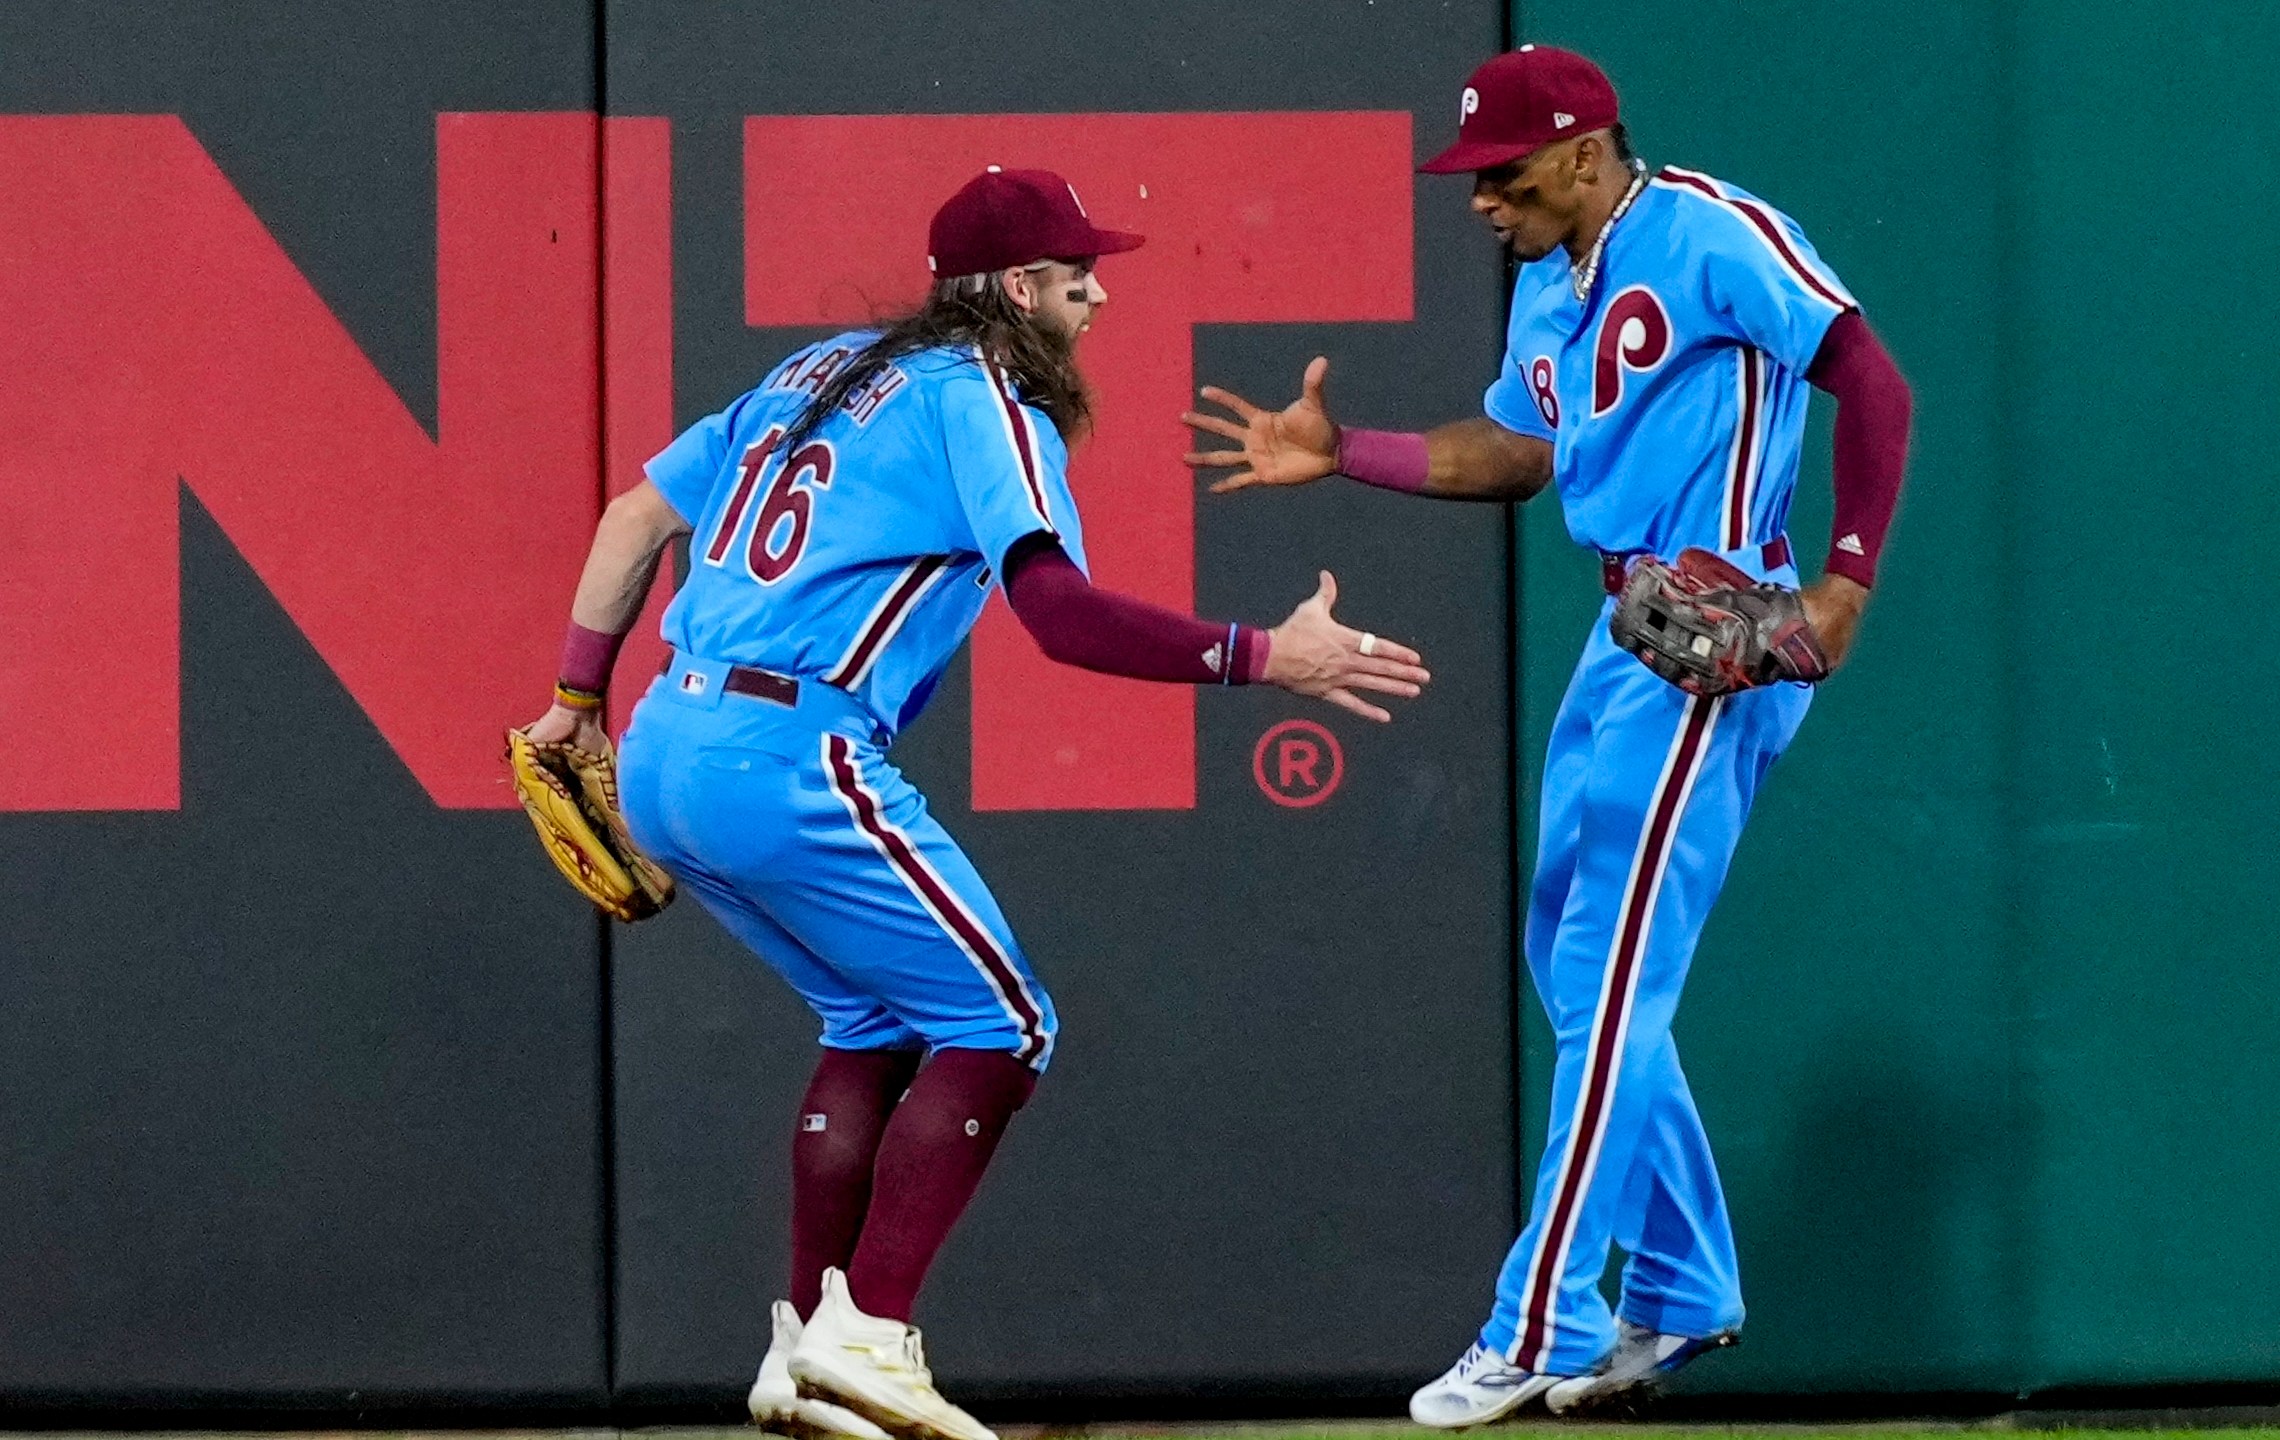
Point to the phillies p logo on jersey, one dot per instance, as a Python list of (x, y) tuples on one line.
[(1633, 335)]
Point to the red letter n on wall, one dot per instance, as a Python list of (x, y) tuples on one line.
[(1241, 228), (152, 333)]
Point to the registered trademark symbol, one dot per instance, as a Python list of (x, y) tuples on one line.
[(1298, 763)]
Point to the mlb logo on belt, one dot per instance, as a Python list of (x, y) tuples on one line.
[(693, 682)]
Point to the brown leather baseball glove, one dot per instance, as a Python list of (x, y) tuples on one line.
[(571, 796), (1708, 628)]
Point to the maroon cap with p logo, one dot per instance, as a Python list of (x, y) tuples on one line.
[(1522, 101), (1002, 218)]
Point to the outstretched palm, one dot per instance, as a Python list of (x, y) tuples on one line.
[(1292, 446)]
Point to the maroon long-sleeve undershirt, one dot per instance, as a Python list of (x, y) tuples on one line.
[(1077, 623), (1870, 456)]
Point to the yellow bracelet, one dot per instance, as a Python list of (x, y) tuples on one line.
[(574, 699)]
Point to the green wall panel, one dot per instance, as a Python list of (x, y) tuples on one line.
[(1982, 1026), (2146, 296)]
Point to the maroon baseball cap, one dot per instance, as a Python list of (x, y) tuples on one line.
[(1004, 218), (1522, 101)]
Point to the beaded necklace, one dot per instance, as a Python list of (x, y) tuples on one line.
[(1586, 275)]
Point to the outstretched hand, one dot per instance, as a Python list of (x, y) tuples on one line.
[(1291, 446), (1312, 654)]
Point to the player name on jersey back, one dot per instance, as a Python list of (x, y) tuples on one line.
[(811, 370)]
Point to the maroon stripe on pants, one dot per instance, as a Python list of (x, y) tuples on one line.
[(890, 615), (914, 871), (1615, 998)]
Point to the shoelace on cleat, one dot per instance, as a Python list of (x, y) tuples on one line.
[(1482, 1366)]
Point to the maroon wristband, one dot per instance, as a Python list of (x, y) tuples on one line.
[(588, 656), (1388, 459)]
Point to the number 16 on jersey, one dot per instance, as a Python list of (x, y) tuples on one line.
[(780, 531)]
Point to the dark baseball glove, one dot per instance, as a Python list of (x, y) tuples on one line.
[(572, 798), (1708, 628)]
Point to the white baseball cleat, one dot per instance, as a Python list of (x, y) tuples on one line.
[(1480, 1388), (777, 1405), (875, 1367), (1641, 1360)]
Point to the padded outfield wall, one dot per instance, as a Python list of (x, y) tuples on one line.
[(327, 329)]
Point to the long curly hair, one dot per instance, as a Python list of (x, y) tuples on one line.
[(967, 310)]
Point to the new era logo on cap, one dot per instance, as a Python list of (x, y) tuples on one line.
[(1562, 119)]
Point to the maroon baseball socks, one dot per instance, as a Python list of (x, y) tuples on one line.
[(842, 1118), (880, 1176), (930, 1163)]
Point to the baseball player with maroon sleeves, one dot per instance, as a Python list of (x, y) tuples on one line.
[(846, 518), (1665, 328)]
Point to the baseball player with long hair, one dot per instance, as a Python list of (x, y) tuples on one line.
[(846, 519), (1665, 330)]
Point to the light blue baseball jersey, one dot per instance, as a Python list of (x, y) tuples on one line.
[(863, 558), (1675, 401), (1675, 404)]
